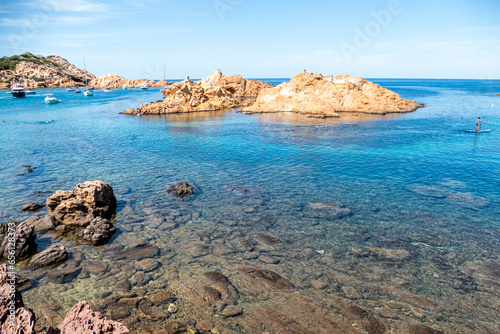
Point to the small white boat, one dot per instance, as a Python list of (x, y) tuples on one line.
[(125, 87), (70, 89), (51, 99), (88, 92), (106, 90), (30, 92), (144, 87)]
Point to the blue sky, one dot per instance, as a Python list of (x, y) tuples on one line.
[(255, 38)]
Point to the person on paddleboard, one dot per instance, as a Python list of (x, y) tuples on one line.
[(478, 123)]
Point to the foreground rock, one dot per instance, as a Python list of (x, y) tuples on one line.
[(24, 239), (314, 94), (52, 255), (81, 320), (113, 80), (78, 207), (23, 318), (216, 92), (98, 232), (181, 190)]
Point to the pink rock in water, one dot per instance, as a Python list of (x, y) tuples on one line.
[(82, 320)]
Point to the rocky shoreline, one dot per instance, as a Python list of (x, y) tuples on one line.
[(182, 276)]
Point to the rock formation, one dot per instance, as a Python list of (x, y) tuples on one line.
[(215, 92), (314, 94), (81, 205), (23, 318), (24, 239), (37, 71), (113, 80)]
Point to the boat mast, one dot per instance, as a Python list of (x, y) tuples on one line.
[(85, 68)]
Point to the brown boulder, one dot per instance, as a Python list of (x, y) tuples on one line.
[(81, 205)]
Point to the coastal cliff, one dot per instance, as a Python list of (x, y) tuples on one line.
[(113, 80), (37, 71), (325, 96), (215, 92)]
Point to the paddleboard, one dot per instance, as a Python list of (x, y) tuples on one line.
[(474, 131)]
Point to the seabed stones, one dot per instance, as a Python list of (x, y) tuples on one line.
[(465, 200)]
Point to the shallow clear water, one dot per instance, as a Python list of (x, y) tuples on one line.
[(380, 167)]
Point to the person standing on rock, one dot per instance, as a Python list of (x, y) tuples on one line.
[(478, 123)]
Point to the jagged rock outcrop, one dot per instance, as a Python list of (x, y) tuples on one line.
[(52, 255), (216, 92), (78, 207), (11, 299), (24, 239), (113, 80), (314, 94), (99, 231), (82, 320), (37, 71)]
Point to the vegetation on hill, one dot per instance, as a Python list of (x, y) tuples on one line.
[(9, 63)]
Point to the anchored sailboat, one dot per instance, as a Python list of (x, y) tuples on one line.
[(87, 92)]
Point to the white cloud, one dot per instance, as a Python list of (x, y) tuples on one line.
[(7, 22), (71, 6)]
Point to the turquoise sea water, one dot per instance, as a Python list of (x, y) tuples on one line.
[(390, 171)]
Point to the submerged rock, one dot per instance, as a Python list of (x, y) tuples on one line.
[(181, 189), (32, 207), (429, 191), (268, 278), (99, 231), (62, 276), (138, 252), (314, 94), (466, 200), (332, 210), (24, 239), (52, 255), (81, 205)]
